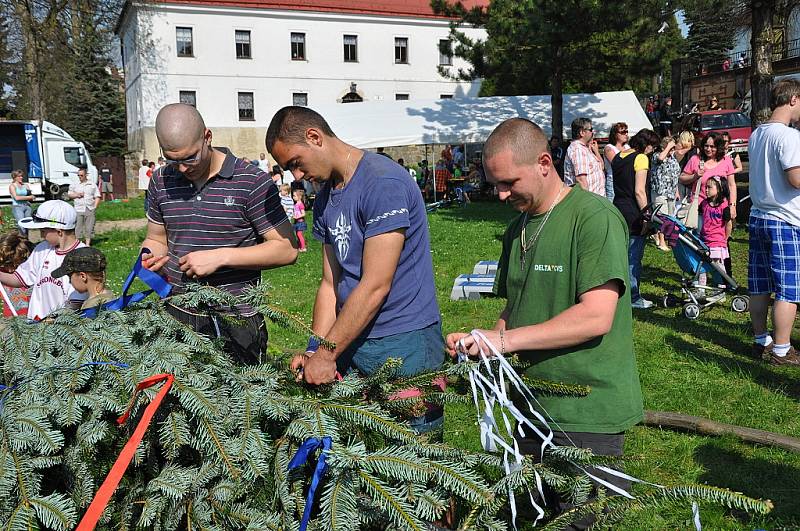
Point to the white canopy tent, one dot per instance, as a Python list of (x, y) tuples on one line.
[(375, 124)]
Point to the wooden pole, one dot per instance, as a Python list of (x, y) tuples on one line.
[(704, 426)]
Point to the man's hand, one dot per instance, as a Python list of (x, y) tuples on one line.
[(154, 262), (472, 346), (451, 343), (595, 149), (200, 264), (318, 368)]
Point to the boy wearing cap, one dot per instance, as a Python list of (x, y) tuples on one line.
[(56, 221), (86, 269)]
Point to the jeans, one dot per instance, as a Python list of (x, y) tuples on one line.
[(21, 212), (610, 186), (635, 253), (421, 350)]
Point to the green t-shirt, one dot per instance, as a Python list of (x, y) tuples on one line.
[(583, 245)]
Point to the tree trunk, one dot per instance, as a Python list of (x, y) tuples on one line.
[(557, 99), (681, 421), (31, 60), (761, 74)]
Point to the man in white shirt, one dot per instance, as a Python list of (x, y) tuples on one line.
[(583, 164), (263, 163), (774, 151), (144, 180), (86, 197)]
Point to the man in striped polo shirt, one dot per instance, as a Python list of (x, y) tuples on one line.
[(214, 220)]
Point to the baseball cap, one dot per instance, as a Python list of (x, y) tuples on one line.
[(81, 260), (54, 214)]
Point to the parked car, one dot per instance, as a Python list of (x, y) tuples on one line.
[(736, 123)]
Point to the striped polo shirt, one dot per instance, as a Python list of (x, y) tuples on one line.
[(233, 209)]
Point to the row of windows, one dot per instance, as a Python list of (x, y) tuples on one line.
[(297, 47), (247, 105)]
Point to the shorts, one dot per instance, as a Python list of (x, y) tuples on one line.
[(245, 340), (84, 228), (718, 253), (774, 259), (106, 187), (300, 226), (667, 205)]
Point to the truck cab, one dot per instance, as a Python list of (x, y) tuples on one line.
[(48, 155)]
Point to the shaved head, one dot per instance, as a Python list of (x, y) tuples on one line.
[(525, 139), (179, 126)]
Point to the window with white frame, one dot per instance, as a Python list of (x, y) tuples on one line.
[(445, 52), (243, 48), (246, 106), (298, 46), (184, 42), (350, 48), (401, 50)]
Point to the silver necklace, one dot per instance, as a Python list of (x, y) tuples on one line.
[(526, 245)]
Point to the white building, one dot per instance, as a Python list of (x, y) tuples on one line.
[(239, 61)]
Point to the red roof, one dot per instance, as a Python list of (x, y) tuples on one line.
[(412, 8)]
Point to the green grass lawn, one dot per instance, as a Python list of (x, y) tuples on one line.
[(132, 208), (696, 367)]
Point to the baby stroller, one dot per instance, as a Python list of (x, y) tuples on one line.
[(693, 257)]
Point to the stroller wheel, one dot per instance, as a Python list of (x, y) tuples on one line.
[(740, 303), (691, 311), (670, 301)]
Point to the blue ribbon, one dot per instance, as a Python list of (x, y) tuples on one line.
[(155, 281), (6, 390), (301, 458)]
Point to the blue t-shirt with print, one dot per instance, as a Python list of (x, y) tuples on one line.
[(378, 199)]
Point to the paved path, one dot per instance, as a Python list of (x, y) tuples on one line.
[(122, 224)]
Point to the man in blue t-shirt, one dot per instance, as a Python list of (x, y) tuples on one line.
[(377, 298)]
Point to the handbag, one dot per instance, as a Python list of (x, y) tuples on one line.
[(689, 213)]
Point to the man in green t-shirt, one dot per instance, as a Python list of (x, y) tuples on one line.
[(564, 271)]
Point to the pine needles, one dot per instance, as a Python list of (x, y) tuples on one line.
[(217, 454)]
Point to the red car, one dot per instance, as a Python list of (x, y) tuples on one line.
[(736, 123)]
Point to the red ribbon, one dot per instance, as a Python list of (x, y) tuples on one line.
[(100, 501)]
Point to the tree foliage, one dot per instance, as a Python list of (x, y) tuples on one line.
[(712, 28), (60, 68), (552, 46), (216, 455)]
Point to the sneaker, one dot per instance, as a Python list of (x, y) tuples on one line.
[(642, 304), (791, 358), (761, 352)]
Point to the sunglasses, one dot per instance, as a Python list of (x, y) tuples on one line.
[(39, 219), (186, 162), (590, 129), (622, 132)]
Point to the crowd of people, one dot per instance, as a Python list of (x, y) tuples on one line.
[(569, 268), (664, 173)]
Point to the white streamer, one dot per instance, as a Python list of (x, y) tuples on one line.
[(696, 516), (7, 300), (493, 391)]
